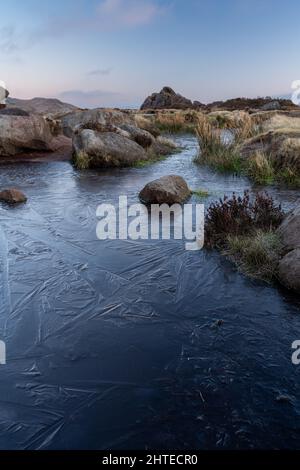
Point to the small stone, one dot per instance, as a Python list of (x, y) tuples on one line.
[(12, 196)]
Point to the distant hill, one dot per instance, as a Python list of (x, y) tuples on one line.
[(41, 106)]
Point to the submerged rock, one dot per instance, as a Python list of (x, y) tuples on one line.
[(167, 99), (106, 149), (12, 196), (170, 189)]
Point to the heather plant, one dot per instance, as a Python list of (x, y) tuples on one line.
[(239, 215)]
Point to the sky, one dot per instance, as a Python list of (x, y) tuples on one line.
[(116, 52)]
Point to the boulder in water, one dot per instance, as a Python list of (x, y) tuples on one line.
[(12, 196), (169, 189)]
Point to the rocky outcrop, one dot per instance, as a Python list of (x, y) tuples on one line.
[(20, 134), (282, 145), (12, 196), (252, 104), (289, 265), (106, 149), (42, 106), (166, 99), (93, 118), (170, 189)]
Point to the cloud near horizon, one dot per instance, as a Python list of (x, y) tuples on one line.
[(92, 98), (96, 72)]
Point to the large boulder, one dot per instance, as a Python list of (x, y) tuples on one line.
[(289, 265), (20, 134), (169, 189), (140, 136), (289, 270), (106, 149), (166, 99), (91, 119), (12, 196), (289, 230)]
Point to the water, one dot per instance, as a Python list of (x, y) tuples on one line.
[(113, 344)]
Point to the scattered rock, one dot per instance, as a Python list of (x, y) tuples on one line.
[(107, 149), (271, 106), (168, 189), (166, 99), (12, 196)]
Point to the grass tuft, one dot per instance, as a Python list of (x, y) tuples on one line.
[(201, 193), (81, 160), (256, 255)]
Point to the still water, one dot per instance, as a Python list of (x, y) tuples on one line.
[(113, 344)]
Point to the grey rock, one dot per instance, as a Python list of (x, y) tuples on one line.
[(169, 189), (272, 106), (289, 270), (23, 133), (289, 230), (107, 149)]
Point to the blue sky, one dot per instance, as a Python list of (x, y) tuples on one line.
[(116, 52)]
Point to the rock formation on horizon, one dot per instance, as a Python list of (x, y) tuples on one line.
[(167, 99)]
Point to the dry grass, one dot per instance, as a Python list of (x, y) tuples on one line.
[(214, 150), (256, 255), (147, 124), (260, 169), (239, 122), (176, 121), (81, 160)]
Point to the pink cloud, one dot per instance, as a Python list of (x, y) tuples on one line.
[(127, 13)]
